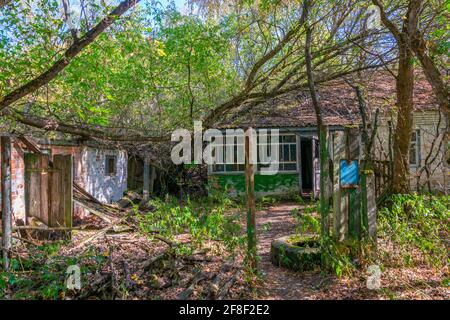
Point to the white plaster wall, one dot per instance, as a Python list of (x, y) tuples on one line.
[(426, 122), (18, 183), (104, 188)]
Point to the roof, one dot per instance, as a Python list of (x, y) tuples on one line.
[(338, 101)]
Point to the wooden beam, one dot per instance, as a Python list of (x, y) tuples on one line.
[(31, 145), (5, 143)]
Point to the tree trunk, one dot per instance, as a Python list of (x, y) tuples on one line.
[(405, 86), (403, 130), (433, 75), (322, 133)]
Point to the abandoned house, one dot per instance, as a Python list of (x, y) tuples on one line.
[(99, 170), (105, 172), (293, 115)]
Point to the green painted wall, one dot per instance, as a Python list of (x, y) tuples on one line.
[(264, 184)]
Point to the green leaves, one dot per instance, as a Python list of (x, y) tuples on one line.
[(202, 219), (418, 226)]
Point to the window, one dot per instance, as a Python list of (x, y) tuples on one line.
[(414, 151), (110, 165), (287, 157), (235, 151), (287, 148)]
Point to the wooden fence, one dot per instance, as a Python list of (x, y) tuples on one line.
[(383, 178)]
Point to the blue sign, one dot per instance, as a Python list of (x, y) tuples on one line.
[(349, 173)]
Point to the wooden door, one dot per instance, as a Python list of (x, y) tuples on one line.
[(48, 190)]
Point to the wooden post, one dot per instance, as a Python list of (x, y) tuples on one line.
[(251, 207), (371, 206), (6, 199), (364, 212), (339, 202), (324, 182), (146, 185), (152, 179), (352, 215)]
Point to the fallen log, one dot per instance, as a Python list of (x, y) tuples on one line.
[(215, 284), (152, 261), (98, 234), (170, 243), (184, 295), (227, 286)]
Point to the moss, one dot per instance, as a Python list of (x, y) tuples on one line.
[(298, 253), (303, 241)]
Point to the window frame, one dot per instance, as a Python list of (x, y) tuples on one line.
[(224, 145), (107, 165), (417, 148), (256, 167)]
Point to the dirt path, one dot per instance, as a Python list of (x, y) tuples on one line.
[(282, 284), (279, 283)]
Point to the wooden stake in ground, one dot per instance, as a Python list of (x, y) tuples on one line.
[(5, 143), (250, 190), (146, 195)]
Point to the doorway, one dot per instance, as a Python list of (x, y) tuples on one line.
[(306, 158)]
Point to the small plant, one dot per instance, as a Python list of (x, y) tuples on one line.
[(336, 257), (305, 222)]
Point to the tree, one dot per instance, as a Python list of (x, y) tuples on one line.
[(72, 51), (423, 52), (145, 76), (404, 88), (322, 134)]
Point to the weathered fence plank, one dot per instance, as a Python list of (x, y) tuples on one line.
[(5, 144), (44, 188), (32, 186), (61, 191), (339, 213)]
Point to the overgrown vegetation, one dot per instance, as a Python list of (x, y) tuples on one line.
[(42, 274), (414, 229), (213, 218)]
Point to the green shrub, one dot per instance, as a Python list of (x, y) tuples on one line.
[(415, 229), (204, 219)]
